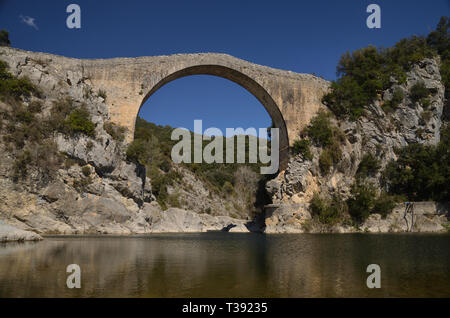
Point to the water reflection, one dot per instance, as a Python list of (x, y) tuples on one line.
[(228, 265)]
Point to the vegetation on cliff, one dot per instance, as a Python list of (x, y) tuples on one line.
[(4, 38), (421, 172), (367, 72), (152, 146), (28, 132)]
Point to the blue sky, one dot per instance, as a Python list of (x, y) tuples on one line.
[(301, 36)]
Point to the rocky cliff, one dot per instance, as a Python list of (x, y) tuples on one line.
[(379, 133), (55, 180), (77, 179)]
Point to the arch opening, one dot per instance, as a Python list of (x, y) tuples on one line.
[(242, 80)]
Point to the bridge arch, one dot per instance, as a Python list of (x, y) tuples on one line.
[(244, 81)]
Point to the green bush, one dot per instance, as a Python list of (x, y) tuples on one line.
[(325, 161), (86, 171), (4, 38), (324, 134), (368, 166), (320, 130), (44, 157), (418, 92), (79, 121), (397, 98), (61, 108), (335, 151), (365, 73), (421, 172), (18, 88), (117, 132), (326, 211), (365, 200), (302, 147), (384, 204), (362, 201), (228, 187), (136, 151)]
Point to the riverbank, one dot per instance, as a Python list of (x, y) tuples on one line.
[(427, 217)]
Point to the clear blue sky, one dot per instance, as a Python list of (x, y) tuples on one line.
[(301, 36)]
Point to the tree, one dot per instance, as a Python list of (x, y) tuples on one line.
[(4, 38)]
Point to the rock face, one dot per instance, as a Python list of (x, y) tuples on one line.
[(100, 192), (9, 233), (296, 218), (375, 133), (179, 220)]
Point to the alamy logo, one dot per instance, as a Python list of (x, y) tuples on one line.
[(213, 152), (374, 279), (74, 279), (374, 20), (74, 19)]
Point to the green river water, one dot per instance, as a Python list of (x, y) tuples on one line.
[(229, 265)]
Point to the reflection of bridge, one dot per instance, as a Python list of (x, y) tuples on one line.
[(291, 99)]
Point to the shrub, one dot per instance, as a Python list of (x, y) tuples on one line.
[(22, 115), (89, 145), (20, 164), (82, 183), (60, 110), (228, 187), (117, 132), (13, 87), (426, 115), (425, 102), (319, 129), (44, 157), (326, 211), (4, 38), (86, 171), (418, 92), (369, 165), (421, 172), (397, 98), (101, 93), (383, 204), (367, 72), (409, 51), (335, 151), (324, 134), (362, 201), (79, 121), (303, 147), (35, 106), (173, 200), (318, 204), (136, 151), (325, 161)]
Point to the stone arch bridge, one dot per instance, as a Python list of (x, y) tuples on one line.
[(291, 99)]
